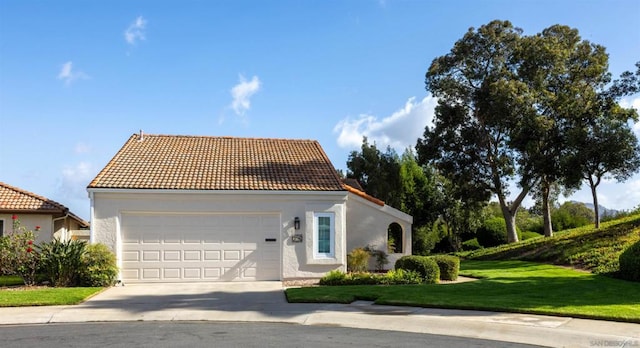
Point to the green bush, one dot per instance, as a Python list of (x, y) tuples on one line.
[(61, 262), (471, 244), (401, 276), (630, 263), (358, 260), (98, 266), (449, 266), (426, 267), (335, 277), (18, 254), (393, 277), (493, 232)]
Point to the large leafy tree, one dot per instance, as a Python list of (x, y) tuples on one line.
[(606, 146), (475, 117), (378, 172), (563, 75)]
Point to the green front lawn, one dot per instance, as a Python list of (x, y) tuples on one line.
[(507, 286), (45, 296)]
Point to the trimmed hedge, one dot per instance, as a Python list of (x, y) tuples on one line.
[(424, 265), (393, 277), (449, 266), (630, 263)]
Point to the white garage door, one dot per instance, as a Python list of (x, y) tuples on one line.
[(198, 247)]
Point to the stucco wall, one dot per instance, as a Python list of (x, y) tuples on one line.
[(108, 207), (367, 225), (30, 221)]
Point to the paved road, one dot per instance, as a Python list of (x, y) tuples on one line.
[(198, 334)]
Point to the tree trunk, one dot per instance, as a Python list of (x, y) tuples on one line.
[(509, 214), (546, 210), (596, 209)]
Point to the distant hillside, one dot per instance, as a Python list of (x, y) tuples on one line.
[(585, 247), (604, 212)]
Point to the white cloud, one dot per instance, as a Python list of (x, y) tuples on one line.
[(135, 31), (242, 93), (68, 75), (75, 179), (398, 130)]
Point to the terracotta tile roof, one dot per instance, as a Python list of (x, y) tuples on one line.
[(219, 163), (349, 186), (16, 200)]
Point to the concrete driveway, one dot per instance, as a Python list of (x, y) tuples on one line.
[(232, 301)]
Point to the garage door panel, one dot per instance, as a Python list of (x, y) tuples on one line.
[(192, 255), (225, 247), (172, 255), (212, 255)]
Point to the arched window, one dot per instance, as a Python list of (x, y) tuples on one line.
[(395, 239)]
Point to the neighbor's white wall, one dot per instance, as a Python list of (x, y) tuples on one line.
[(367, 224), (30, 221), (108, 207)]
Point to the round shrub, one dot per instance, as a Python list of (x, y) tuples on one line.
[(425, 266), (630, 263), (493, 232), (449, 266), (98, 266)]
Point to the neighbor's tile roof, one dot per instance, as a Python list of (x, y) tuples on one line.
[(219, 163), (16, 200)]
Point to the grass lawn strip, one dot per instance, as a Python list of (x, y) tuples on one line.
[(10, 280), (45, 296), (506, 286)]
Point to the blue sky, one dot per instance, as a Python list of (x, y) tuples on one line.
[(77, 78)]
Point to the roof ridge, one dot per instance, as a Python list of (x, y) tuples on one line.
[(221, 137)]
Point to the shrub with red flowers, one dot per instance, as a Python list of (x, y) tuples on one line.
[(17, 253)]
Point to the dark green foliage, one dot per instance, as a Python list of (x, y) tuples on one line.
[(449, 266), (471, 244), (393, 277), (99, 266), (571, 215), (630, 263), (377, 172), (358, 260), (61, 262), (426, 267), (424, 238), (493, 232)]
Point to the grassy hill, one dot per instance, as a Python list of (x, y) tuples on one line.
[(584, 248)]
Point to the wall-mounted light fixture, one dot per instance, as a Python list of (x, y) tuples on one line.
[(296, 223)]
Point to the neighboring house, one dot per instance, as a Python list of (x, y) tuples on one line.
[(196, 208), (55, 220)]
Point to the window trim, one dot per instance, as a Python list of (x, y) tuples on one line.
[(2, 227), (332, 235)]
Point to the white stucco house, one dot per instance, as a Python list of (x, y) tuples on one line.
[(53, 219), (197, 208)]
